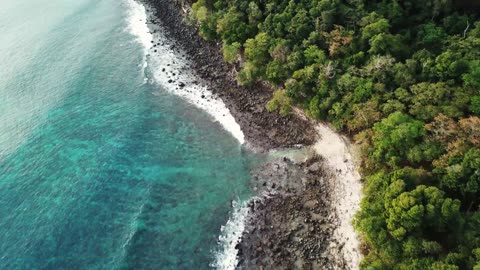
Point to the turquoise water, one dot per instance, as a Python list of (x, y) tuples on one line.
[(98, 169)]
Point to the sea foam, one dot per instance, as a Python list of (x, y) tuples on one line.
[(172, 71), (137, 23), (231, 234)]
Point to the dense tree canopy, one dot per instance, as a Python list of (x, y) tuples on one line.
[(402, 78)]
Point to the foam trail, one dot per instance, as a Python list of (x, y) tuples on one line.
[(231, 233), (137, 19), (137, 25), (172, 71)]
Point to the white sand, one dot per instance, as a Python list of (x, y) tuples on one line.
[(337, 153)]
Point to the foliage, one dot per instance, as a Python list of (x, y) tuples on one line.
[(231, 51), (394, 137), (280, 101), (401, 77)]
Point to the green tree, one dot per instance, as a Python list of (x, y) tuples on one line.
[(374, 28), (462, 176), (200, 11), (230, 51), (472, 78), (232, 27), (450, 65), (276, 72), (248, 74), (394, 137), (430, 99), (475, 105), (314, 55), (280, 101), (431, 36), (424, 207), (256, 49), (254, 14)]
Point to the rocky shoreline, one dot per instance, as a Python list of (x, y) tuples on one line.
[(293, 224), (263, 130)]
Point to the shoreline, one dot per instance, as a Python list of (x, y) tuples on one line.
[(169, 68), (324, 188), (263, 131), (317, 191)]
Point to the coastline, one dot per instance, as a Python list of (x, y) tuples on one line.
[(263, 131), (170, 69), (305, 219), (311, 202)]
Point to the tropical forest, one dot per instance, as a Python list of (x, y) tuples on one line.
[(402, 80)]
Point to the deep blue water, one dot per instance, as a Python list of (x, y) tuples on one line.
[(98, 169)]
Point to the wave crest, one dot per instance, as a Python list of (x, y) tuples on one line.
[(172, 71), (231, 234)]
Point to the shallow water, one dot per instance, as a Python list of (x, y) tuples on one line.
[(100, 169)]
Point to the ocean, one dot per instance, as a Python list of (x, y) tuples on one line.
[(103, 163)]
